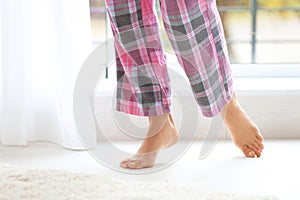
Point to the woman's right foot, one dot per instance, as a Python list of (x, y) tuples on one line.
[(162, 133)]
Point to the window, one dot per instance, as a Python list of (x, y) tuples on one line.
[(260, 32), (98, 21)]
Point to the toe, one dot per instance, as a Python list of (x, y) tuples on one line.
[(256, 150), (124, 163), (138, 164), (260, 144), (132, 165), (258, 153), (260, 138), (248, 152), (255, 147)]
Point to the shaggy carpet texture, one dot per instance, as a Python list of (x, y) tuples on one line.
[(39, 184)]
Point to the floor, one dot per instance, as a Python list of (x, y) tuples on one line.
[(276, 173)]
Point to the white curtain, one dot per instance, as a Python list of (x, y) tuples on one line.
[(43, 44)]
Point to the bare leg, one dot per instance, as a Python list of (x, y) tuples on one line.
[(244, 132), (162, 133)]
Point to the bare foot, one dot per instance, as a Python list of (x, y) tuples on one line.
[(244, 132), (162, 133)]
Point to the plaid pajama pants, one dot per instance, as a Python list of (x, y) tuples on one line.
[(195, 31)]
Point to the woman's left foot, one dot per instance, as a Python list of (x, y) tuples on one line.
[(162, 133), (244, 132)]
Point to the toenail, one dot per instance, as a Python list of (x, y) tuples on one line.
[(251, 153)]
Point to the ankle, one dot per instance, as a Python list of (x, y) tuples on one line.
[(157, 117), (230, 109), (156, 124)]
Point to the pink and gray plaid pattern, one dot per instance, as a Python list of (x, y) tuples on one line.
[(195, 31)]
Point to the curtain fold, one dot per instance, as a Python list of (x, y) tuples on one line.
[(43, 44)]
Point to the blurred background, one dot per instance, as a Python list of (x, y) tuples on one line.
[(257, 31), (263, 38)]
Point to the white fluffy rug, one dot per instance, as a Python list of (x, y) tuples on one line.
[(36, 184)]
